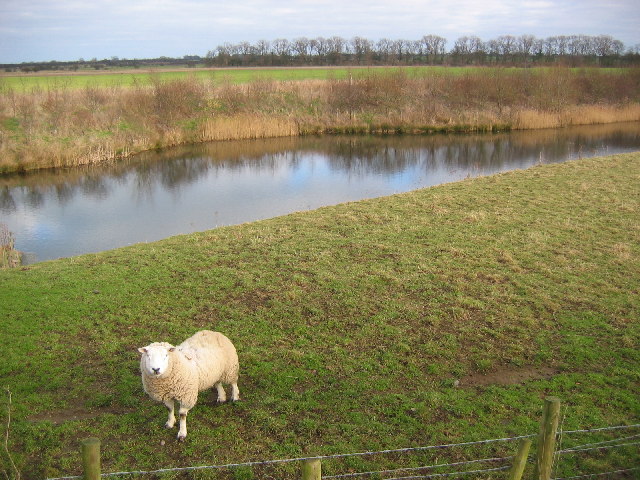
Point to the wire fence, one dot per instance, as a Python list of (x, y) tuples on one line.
[(262, 463), (582, 456), (423, 466)]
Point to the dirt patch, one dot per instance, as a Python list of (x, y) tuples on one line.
[(58, 417), (507, 376)]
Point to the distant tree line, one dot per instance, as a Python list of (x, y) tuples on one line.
[(105, 63), (601, 50), (508, 50)]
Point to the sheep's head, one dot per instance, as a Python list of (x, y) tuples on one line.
[(155, 358)]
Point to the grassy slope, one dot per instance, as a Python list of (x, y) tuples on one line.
[(352, 323)]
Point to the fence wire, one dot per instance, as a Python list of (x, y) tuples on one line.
[(592, 475), (602, 445), (452, 474), (596, 445), (301, 459), (602, 429), (578, 448), (409, 469)]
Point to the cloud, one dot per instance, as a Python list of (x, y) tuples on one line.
[(45, 30)]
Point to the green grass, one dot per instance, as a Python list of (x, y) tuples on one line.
[(232, 75), (25, 83), (240, 75), (353, 324)]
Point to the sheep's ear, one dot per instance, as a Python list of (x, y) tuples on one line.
[(142, 350)]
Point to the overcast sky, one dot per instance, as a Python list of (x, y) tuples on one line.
[(43, 30)]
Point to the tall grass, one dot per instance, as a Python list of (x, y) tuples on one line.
[(9, 256), (58, 126)]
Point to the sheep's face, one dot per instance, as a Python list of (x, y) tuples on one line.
[(155, 359)]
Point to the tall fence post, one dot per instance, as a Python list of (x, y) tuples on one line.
[(312, 469), (547, 438), (520, 460), (91, 459)]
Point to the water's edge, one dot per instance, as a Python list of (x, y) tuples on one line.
[(67, 212)]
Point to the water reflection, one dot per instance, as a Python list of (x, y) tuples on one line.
[(155, 195)]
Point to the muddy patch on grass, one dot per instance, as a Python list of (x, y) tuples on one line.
[(58, 417), (507, 376)]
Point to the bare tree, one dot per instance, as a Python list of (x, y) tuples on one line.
[(578, 45), (246, 51), (336, 47), (507, 44), (430, 48), (617, 47), (319, 47), (525, 43), (434, 46), (563, 45), (469, 49), (282, 48), (362, 49), (385, 47), (302, 48), (461, 46)]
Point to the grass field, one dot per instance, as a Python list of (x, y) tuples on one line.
[(231, 75), (107, 78), (438, 316)]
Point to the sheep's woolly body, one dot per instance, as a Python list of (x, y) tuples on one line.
[(202, 361)]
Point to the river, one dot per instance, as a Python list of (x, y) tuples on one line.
[(68, 212)]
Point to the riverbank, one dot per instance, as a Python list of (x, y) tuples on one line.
[(56, 127), (438, 316)]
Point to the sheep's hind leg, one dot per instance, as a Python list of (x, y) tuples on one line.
[(222, 395), (235, 392), (182, 432), (171, 421)]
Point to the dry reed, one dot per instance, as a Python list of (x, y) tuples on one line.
[(60, 127), (9, 256), (244, 126), (576, 115)]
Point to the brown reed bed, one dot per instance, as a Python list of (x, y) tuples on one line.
[(66, 127)]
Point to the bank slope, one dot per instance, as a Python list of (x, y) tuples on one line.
[(436, 316)]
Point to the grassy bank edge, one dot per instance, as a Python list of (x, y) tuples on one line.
[(219, 130)]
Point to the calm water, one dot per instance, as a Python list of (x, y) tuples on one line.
[(156, 195)]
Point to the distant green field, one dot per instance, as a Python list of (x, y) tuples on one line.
[(240, 75), (233, 75)]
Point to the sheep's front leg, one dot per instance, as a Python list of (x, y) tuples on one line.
[(171, 421), (182, 432)]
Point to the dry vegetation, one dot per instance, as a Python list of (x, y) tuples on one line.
[(62, 126), (9, 256)]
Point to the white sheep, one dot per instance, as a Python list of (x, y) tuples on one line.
[(178, 373)]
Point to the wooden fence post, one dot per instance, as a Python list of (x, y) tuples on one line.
[(547, 438), (311, 469), (91, 459), (520, 460)]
